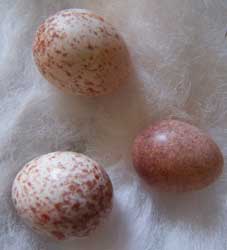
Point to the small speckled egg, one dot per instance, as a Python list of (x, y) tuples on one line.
[(62, 194), (80, 53), (175, 156)]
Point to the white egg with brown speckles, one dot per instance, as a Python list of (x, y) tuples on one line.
[(79, 52), (62, 194)]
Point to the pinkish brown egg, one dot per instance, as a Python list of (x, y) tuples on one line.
[(62, 194), (81, 53), (173, 155)]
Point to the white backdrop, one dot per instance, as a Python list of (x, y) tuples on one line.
[(179, 52)]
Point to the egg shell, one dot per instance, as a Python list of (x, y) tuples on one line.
[(172, 155), (79, 52), (62, 194)]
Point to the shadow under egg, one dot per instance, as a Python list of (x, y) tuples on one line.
[(198, 209)]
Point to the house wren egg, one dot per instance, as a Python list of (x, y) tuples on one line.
[(173, 155), (62, 194), (81, 53)]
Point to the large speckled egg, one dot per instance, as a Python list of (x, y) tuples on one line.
[(81, 53), (174, 156), (62, 194)]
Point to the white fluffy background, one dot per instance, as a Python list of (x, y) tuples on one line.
[(179, 52)]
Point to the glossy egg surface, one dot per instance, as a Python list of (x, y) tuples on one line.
[(172, 155), (79, 52), (62, 194)]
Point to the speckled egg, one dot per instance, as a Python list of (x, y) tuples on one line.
[(174, 156), (81, 53), (62, 194)]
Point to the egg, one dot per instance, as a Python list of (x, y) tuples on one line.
[(62, 194), (172, 155), (80, 53)]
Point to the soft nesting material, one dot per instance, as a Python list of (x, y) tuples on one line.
[(179, 52)]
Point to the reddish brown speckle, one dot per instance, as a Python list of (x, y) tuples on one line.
[(68, 73), (51, 19), (76, 206), (59, 66), (58, 235), (89, 83), (58, 206), (84, 17), (90, 47), (92, 90), (45, 218), (66, 14), (95, 16), (33, 209), (72, 188), (18, 177), (58, 51), (117, 36), (55, 35)]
